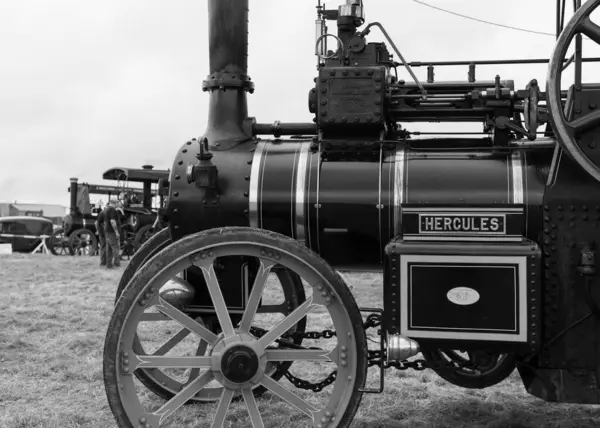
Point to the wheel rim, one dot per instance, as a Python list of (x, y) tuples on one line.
[(483, 368), (235, 347)]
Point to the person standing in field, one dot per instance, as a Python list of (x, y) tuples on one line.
[(101, 232), (113, 235)]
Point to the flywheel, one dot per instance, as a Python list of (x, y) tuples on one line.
[(567, 130), (234, 361)]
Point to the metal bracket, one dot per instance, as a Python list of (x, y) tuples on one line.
[(381, 350)]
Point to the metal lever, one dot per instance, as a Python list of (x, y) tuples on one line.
[(367, 30)]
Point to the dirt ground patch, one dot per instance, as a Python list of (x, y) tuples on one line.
[(53, 317)]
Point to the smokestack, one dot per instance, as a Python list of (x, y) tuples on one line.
[(73, 191), (228, 80)]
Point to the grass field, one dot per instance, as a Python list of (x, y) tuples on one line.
[(53, 317)]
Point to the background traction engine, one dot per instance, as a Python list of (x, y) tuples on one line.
[(140, 213), (486, 243)]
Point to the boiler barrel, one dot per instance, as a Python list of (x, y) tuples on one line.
[(347, 207)]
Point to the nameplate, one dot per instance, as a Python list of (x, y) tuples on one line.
[(462, 223), (468, 223)]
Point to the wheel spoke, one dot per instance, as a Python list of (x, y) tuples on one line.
[(288, 396), (586, 122), (298, 354), (217, 298), (178, 316), (252, 408), (184, 396), (200, 351), (287, 323), (172, 342), (221, 413), (590, 29), (257, 290), (162, 361)]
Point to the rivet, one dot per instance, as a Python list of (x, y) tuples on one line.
[(180, 162), (177, 177), (184, 151), (188, 143), (247, 178), (245, 193), (175, 194), (249, 162)]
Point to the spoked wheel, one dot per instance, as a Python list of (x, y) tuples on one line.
[(237, 361), (82, 242), (58, 243), (477, 369), (142, 235)]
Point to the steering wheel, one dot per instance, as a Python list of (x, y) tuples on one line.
[(568, 130)]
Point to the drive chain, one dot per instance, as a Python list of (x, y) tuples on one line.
[(375, 358)]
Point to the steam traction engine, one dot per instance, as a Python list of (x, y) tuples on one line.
[(487, 245)]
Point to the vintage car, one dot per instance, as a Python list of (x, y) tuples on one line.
[(24, 226)]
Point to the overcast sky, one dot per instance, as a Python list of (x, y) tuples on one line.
[(85, 85)]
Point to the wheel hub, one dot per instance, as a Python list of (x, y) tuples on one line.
[(239, 364), (238, 361)]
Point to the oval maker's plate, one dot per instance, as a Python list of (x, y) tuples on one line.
[(463, 296)]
